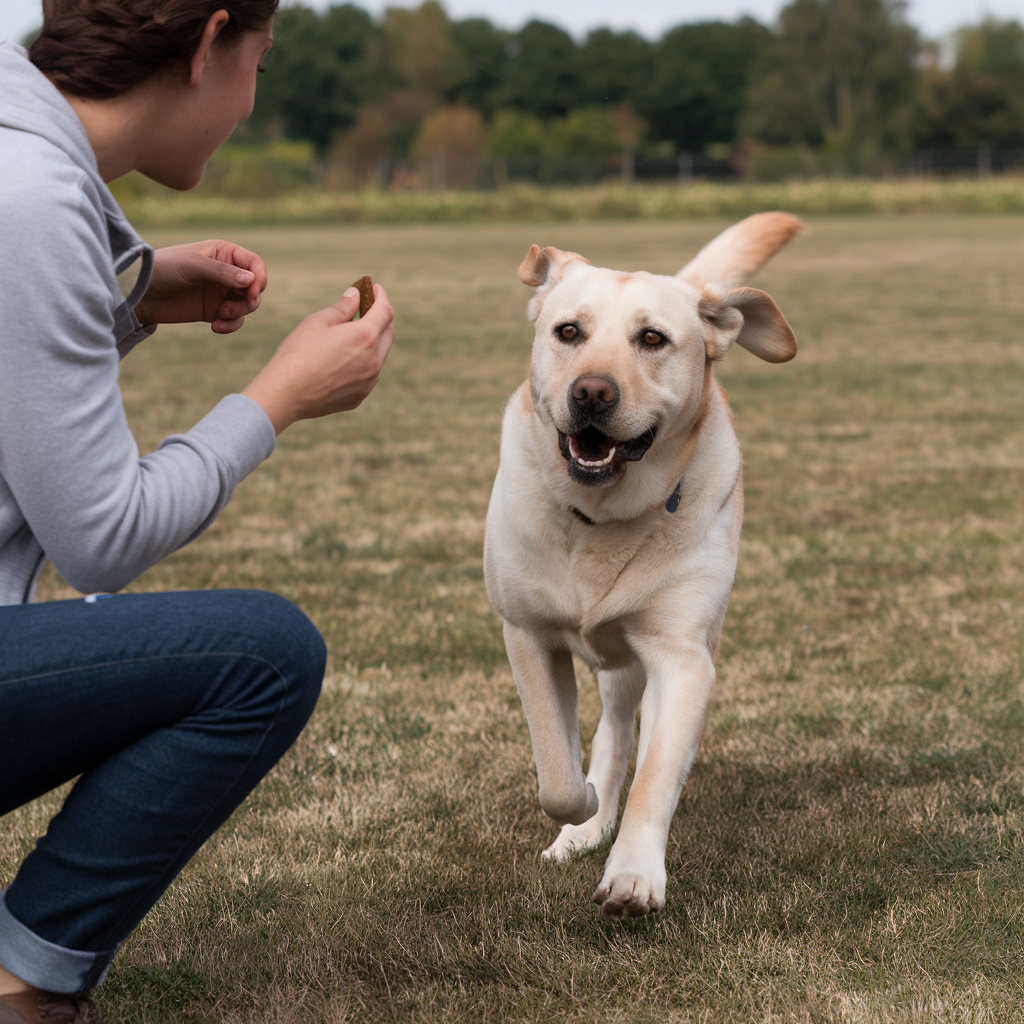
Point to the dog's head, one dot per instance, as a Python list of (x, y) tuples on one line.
[(621, 360)]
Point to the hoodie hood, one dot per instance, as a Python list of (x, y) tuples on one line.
[(30, 102)]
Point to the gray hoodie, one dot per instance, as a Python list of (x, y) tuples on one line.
[(72, 485)]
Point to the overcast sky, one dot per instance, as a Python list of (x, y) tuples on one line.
[(649, 17)]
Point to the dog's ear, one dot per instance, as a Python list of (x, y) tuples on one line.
[(731, 257), (748, 317), (543, 269), (546, 266)]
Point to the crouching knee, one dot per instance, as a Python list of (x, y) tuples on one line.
[(291, 649)]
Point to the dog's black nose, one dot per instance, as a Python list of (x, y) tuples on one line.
[(597, 394)]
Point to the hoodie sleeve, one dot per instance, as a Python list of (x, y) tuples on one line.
[(102, 514)]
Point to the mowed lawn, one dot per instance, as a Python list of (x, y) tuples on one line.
[(850, 844)]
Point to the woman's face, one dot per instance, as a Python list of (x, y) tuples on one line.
[(199, 114)]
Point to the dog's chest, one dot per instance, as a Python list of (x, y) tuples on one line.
[(603, 647), (586, 609), (580, 590)]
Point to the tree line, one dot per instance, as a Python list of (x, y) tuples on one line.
[(848, 80)]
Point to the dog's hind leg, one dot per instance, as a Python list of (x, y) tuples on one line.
[(547, 686), (621, 691)]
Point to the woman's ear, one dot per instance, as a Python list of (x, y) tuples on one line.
[(543, 269), (748, 317), (197, 65)]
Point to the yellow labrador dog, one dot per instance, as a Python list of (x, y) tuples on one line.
[(614, 525)]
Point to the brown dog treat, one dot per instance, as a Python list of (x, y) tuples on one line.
[(365, 286)]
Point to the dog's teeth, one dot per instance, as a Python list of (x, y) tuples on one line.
[(598, 464), (577, 457)]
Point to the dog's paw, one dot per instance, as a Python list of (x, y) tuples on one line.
[(577, 839), (630, 893)]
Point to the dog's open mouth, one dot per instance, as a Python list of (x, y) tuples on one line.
[(596, 459), (592, 450)]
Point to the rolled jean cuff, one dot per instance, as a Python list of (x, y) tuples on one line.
[(44, 964)]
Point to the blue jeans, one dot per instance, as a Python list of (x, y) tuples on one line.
[(171, 708)]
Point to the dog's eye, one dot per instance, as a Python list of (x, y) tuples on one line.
[(652, 338), (568, 332)]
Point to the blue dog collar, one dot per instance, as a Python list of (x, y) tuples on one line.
[(670, 506)]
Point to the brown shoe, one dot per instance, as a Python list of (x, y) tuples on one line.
[(47, 1007)]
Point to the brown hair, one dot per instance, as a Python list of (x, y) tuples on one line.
[(101, 48)]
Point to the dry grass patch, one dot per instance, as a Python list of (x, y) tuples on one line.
[(154, 206), (850, 846)]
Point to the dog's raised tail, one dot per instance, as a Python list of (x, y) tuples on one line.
[(731, 257)]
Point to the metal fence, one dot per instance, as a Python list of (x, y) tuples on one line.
[(982, 162), (441, 174)]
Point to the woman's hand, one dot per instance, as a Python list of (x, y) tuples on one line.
[(328, 363), (216, 282)]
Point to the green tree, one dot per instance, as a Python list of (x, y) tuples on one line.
[(992, 48), (454, 132), (839, 73), (614, 67), (317, 77), (697, 84), (386, 128), (542, 75), (584, 132), (981, 100), (477, 64), (515, 133), (413, 51)]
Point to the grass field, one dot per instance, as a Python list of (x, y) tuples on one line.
[(153, 206), (850, 845)]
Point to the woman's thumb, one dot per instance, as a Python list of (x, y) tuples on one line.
[(223, 273), (347, 305)]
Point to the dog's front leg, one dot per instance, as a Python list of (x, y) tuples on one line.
[(547, 686), (672, 711), (621, 690)]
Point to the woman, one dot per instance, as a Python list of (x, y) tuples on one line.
[(171, 707)]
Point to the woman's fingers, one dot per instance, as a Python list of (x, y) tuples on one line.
[(380, 314), (227, 326), (235, 292), (259, 271), (232, 312), (328, 364), (244, 259), (378, 322), (215, 281), (232, 308), (345, 308), (387, 339), (203, 268), (250, 261)]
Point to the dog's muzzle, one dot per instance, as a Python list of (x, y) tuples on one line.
[(594, 456), (596, 459)]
